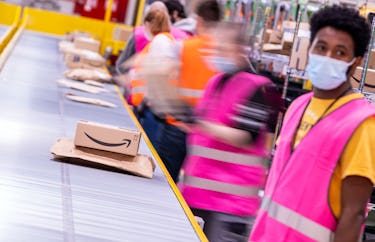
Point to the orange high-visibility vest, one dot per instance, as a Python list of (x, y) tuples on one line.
[(195, 72), (138, 86)]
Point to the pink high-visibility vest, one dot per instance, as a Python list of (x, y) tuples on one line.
[(218, 176), (141, 41), (295, 207)]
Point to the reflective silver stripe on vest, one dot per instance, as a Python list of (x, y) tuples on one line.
[(138, 90), (188, 92), (226, 156), (296, 221), (217, 186)]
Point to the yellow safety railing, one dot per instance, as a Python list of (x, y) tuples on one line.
[(59, 24), (10, 16), (9, 13)]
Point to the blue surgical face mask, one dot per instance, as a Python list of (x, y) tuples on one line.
[(222, 64), (327, 73)]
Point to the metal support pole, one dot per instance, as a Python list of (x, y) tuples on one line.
[(286, 80), (267, 14), (367, 58), (295, 35)]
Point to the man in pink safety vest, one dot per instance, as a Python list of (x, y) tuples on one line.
[(323, 170), (225, 167)]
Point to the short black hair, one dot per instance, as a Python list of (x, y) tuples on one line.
[(175, 5), (209, 10), (344, 19)]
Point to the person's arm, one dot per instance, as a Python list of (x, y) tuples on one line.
[(125, 54), (355, 193), (253, 117), (226, 134)]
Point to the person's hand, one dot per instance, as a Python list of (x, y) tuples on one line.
[(187, 127)]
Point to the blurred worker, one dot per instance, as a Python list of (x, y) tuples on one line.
[(157, 26), (225, 166), (324, 166), (139, 39), (178, 17), (194, 74)]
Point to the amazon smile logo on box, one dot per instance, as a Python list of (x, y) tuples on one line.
[(108, 138), (127, 142)]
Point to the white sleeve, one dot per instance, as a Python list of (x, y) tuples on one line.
[(162, 46)]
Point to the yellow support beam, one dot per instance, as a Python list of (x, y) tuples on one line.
[(141, 7), (9, 13), (108, 11), (4, 54)]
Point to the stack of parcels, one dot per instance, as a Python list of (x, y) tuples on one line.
[(105, 147), (81, 51), (281, 41)]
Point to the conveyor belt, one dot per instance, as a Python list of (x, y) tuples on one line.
[(3, 29), (45, 200)]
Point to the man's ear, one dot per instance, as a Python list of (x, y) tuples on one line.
[(356, 63)]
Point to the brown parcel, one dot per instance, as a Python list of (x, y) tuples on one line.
[(93, 101), (76, 34), (87, 44), (84, 59), (288, 33), (140, 165), (121, 34), (107, 137), (81, 86), (275, 37), (370, 79), (88, 74)]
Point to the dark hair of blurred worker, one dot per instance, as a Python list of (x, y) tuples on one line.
[(224, 169), (323, 170), (194, 74), (178, 17)]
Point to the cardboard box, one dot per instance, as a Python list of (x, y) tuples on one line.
[(107, 138), (140, 165), (88, 100), (96, 74), (87, 44), (275, 36), (298, 58), (79, 59), (267, 35), (287, 41), (71, 36), (370, 79), (288, 33), (121, 34)]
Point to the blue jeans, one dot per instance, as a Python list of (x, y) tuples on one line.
[(171, 147), (150, 124)]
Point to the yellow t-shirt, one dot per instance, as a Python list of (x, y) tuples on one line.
[(357, 159)]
